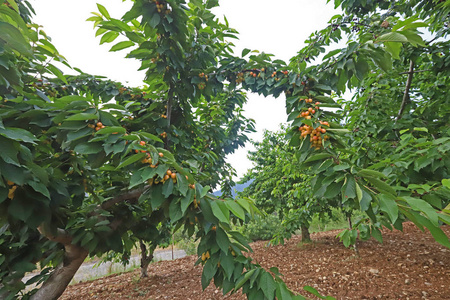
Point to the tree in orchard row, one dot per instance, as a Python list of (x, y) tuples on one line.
[(391, 160), (390, 157), (83, 175), (190, 65), (280, 186)]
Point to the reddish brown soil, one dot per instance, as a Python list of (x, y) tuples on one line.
[(409, 265)]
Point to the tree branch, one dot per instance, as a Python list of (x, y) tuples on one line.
[(62, 236), (418, 71), (406, 94), (169, 112), (131, 195)]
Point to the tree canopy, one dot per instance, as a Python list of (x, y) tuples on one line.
[(90, 166)]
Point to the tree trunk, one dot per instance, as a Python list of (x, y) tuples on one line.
[(55, 285), (350, 226), (306, 237), (145, 259)]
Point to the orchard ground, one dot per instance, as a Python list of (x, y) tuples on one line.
[(408, 265)]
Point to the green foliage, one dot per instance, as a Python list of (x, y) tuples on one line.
[(261, 228), (86, 164), (280, 185), (188, 244)]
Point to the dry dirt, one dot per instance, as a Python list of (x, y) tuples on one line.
[(408, 265)]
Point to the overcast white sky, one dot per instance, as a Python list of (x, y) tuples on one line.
[(277, 27)]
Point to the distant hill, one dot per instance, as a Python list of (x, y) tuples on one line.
[(236, 189)]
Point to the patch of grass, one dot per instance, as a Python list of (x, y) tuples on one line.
[(188, 244), (337, 220)]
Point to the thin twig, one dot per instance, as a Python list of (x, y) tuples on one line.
[(418, 71), (169, 112), (406, 94)]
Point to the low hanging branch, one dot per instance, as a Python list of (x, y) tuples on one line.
[(406, 94), (169, 112), (131, 195)]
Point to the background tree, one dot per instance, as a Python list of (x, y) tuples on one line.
[(280, 185)]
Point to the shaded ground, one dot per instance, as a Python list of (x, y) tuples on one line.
[(409, 265)]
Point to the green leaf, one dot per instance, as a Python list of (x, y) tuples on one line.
[(319, 156), (227, 264), (332, 53), (389, 206), (282, 292), (338, 130), (381, 59), (372, 173), (394, 49), (424, 207), (74, 135), (350, 187), (132, 159), (150, 136), (108, 37), (244, 279), (381, 185), (182, 183), (222, 239), (236, 209), (267, 285), (103, 11), (245, 52), (359, 193), (446, 183), (156, 196), (392, 37), (82, 117), (168, 188), (20, 208), (187, 200), (121, 46), (40, 188), (313, 291), (422, 162), (88, 148), (361, 67), (241, 239), (435, 231), (112, 129), (18, 134), (205, 191), (8, 151), (324, 99), (220, 211), (155, 20), (376, 233), (12, 37), (87, 238), (13, 173), (57, 72), (175, 213), (333, 190), (414, 38), (209, 270), (365, 201)]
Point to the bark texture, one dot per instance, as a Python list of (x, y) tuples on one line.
[(145, 259), (62, 275), (306, 236)]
